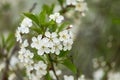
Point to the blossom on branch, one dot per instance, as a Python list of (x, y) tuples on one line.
[(56, 17)]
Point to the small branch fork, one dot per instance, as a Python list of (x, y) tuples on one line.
[(52, 67)]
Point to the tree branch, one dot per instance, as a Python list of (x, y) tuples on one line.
[(52, 67)]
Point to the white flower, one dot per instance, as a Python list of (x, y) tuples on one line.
[(25, 55), (32, 76), (52, 38), (40, 68), (56, 48), (98, 74), (36, 42), (18, 36), (81, 6), (52, 75), (70, 2), (13, 61), (23, 29), (21, 54), (82, 77), (68, 44), (29, 67), (43, 47), (64, 35), (67, 39), (41, 44), (56, 17), (29, 71), (24, 44), (26, 22), (68, 77)]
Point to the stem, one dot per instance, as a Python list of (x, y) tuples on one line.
[(33, 7), (5, 74), (52, 66), (64, 10)]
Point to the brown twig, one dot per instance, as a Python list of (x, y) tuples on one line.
[(65, 9), (53, 68), (33, 7)]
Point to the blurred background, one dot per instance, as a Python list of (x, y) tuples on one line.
[(96, 49)]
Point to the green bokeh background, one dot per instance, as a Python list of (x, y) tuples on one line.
[(98, 34)]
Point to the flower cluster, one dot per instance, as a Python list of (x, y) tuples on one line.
[(36, 70), (52, 42), (80, 5), (23, 29), (47, 43), (26, 56)]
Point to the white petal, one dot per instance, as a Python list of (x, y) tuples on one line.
[(39, 37), (47, 34), (40, 52), (54, 34)]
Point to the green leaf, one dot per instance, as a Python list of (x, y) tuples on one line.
[(51, 22), (48, 9), (63, 53), (42, 17), (62, 26), (69, 65), (32, 17), (10, 44), (51, 9), (37, 57), (10, 37), (52, 25), (38, 30), (10, 41)]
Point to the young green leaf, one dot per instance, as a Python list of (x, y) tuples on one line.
[(42, 17), (37, 30), (32, 17), (62, 26), (10, 37), (69, 65), (52, 25), (63, 53), (37, 57), (10, 45), (48, 9)]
